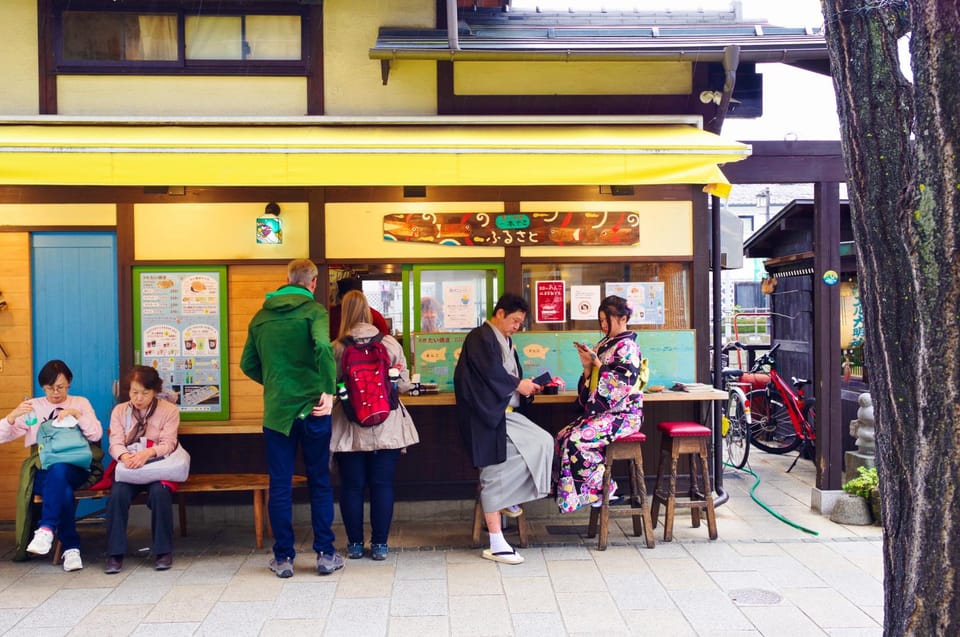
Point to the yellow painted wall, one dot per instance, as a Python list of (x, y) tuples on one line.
[(16, 377), (157, 95), (215, 231), (40, 215), (572, 78), (352, 84), (355, 231), (19, 74), (666, 228)]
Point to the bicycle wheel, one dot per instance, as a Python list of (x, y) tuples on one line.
[(809, 451), (770, 428), (736, 444)]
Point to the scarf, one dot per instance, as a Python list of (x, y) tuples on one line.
[(140, 428)]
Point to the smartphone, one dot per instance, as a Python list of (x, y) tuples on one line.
[(543, 379)]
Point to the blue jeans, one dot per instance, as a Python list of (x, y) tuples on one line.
[(373, 470), (313, 435), (56, 486)]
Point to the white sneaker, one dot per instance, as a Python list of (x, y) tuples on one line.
[(41, 543), (71, 560)]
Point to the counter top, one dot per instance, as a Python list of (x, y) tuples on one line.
[(447, 398)]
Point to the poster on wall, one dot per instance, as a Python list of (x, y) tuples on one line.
[(459, 306), (584, 301), (180, 329), (646, 299), (551, 302)]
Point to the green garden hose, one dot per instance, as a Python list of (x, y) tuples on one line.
[(766, 507)]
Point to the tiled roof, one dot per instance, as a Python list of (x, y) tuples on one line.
[(595, 35)]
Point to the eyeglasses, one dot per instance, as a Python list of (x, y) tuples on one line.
[(56, 389), (141, 394)]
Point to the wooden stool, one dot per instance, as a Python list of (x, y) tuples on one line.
[(684, 438), (626, 448), (522, 528)]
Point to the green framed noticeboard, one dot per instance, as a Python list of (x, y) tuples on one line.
[(180, 329)]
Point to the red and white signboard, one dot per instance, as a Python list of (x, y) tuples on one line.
[(551, 302)]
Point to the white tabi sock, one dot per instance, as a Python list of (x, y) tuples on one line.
[(498, 544)]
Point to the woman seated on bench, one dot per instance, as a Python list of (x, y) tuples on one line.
[(145, 416), (57, 482)]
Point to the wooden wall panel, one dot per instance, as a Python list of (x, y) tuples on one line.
[(16, 379), (247, 285)]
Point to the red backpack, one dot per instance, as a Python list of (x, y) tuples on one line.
[(365, 371)]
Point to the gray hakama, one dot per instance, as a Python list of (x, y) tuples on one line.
[(525, 474)]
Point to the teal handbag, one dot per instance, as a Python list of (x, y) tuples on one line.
[(62, 445)]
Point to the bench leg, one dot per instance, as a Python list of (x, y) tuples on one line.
[(182, 511), (258, 497)]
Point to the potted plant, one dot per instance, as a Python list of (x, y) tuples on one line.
[(867, 486)]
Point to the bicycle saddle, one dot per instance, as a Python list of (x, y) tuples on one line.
[(731, 372)]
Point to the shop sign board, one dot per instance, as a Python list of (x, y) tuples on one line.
[(555, 228), (180, 329)]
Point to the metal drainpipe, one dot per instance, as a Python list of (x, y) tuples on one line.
[(731, 60), (453, 34), (722, 495)]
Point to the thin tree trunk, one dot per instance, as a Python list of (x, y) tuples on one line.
[(901, 145)]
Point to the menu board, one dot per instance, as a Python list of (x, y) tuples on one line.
[(671, 355), (180, 329)]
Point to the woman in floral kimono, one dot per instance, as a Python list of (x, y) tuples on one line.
[(612, 402)]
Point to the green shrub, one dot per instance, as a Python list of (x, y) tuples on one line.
[(862, 485)]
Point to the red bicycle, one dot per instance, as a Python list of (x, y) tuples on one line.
[(783, 418)]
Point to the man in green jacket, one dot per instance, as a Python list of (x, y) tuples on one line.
[(288, 351)]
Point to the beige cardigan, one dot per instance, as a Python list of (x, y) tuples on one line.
[(398, 430)]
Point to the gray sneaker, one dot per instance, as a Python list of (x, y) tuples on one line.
[(328, 563), (283, 568)]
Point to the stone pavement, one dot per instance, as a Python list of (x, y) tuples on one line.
[(762, 577)]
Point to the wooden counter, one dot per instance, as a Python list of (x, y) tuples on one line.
[(439, 467), (447, 398)]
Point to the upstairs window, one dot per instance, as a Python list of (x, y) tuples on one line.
[(103, 40)]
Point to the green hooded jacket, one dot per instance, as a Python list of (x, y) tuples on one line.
[(288, 351)]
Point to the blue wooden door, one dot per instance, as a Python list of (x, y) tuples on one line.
[(75, 312)]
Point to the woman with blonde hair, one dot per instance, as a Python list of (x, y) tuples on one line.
[(367, 455)]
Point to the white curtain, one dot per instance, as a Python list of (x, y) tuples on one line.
[(158, 38), (273, 37), (214, 38)]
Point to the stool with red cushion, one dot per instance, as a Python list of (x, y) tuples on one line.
[(626, 448), (677, 439)]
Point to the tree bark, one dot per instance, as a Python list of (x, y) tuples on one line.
[(900, 143)]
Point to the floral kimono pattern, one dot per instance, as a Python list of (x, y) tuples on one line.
[(613, 410)]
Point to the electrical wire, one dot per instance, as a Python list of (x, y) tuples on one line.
[(764, 506)]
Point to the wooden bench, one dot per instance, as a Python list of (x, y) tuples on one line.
[(258, 483)]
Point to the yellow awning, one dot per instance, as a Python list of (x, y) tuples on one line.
[(466, 155)]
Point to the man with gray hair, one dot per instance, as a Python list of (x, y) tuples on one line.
[(288, 351)]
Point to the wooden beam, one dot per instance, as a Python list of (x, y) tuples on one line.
[(788, 163), (826, 336)]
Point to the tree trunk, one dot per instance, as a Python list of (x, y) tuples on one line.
[(900, 143)]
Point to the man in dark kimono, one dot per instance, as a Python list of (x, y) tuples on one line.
[(514, 454)]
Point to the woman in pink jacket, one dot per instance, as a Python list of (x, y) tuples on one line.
[(144, 416), (57, 482)]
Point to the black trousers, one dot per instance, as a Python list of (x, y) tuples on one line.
[(160, 501)]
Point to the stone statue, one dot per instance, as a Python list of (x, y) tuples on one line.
[(863, 427)]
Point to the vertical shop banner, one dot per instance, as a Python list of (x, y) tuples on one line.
[(551, 302), (180, 329)]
